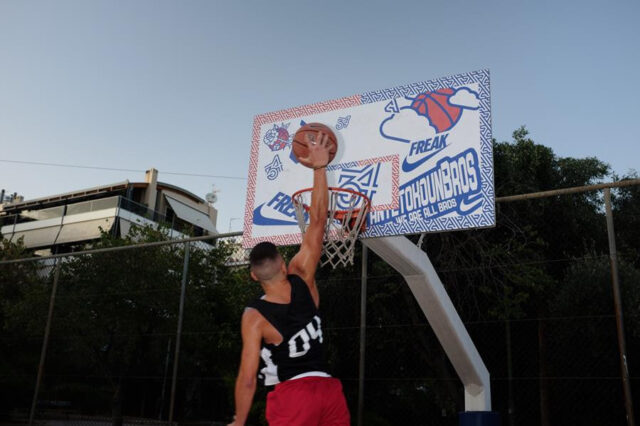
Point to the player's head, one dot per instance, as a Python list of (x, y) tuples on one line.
[(265, 262)]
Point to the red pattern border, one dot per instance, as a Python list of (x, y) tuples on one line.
[(395, 177)]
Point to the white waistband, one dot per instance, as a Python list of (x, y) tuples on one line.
[(311, 374)]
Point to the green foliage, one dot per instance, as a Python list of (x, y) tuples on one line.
[(15, 277), (587, 287), (568, 224), (523, 166), (504, 273), (116, 313), (20, 342)]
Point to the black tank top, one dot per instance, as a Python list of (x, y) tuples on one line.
[(299, 324)]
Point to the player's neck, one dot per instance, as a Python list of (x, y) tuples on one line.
[(277, 291)]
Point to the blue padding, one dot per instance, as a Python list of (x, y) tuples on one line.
[(479, 418)]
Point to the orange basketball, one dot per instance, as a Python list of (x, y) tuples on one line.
[(308, 134)]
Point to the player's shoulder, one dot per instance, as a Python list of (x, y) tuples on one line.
[(251, 314), (252, 319)]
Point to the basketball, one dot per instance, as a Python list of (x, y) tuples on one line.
[(307, 134), (436, 107)]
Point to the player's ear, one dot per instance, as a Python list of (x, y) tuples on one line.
[(253, 276), (283, 265)]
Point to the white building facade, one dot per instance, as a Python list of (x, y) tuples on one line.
[(61, 222)]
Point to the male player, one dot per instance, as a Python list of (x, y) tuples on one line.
[(283, 327)]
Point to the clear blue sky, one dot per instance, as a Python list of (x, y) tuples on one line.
[(175, 84)]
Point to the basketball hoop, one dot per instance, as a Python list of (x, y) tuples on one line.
[(347, 214)]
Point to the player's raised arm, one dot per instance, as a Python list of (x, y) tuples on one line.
[(249, 362), (306, 261)]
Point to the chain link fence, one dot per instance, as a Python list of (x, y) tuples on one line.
[(534, 294)]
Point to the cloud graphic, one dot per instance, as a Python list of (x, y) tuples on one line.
[(465, 98), (407, 126)]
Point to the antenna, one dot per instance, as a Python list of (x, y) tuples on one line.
[(212, 196)]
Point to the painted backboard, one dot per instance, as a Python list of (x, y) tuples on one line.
[(421, 152)]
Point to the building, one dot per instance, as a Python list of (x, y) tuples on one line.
[(58, 223)]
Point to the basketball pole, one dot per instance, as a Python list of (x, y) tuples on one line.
[(426, 286)]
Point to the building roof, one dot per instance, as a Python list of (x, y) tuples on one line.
[(164, 185), (67, 196), (81, 193)]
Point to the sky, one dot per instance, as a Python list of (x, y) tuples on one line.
[(175, 85)]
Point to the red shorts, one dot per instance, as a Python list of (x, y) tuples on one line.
[(309, 401)]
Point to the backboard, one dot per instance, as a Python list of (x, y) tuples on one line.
[(421, 152)]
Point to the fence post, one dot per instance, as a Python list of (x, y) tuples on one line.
[(183, 289), (511, 412), (45, 341), (617, 300), (164, 380), (363, 332)]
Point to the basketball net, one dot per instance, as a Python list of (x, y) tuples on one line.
[(347, 214)]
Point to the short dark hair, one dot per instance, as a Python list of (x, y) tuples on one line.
[(261, 252)]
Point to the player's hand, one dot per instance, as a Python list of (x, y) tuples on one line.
[(318, 150)]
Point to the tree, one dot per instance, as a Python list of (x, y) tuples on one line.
[(509, 272), (585, 344), (626, 215), (115, 314), (20, 345)]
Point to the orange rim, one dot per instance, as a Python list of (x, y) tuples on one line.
[(338, 214), (367, 202)]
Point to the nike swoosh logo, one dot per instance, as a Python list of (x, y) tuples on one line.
[(260, 219), (475, 202), (408, 166)]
